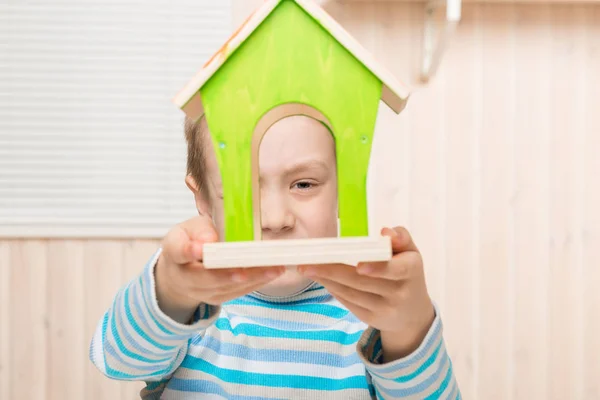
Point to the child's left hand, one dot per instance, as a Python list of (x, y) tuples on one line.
[(391, 296)]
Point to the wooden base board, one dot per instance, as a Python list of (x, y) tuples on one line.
[(267, 253)]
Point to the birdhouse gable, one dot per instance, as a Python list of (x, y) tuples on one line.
[(393, 93)]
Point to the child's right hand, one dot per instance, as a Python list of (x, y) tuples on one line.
[(182, 282)]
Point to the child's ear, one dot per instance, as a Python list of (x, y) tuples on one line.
[(199, 196)]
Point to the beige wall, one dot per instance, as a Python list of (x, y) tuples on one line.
[(52, 295), (494, 169)]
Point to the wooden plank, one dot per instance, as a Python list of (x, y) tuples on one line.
[(267, 253), (427, 221), (34, 229), (67, 344), (136, 254), (5, 311), (29, 321), (496, 160), (103, 265), (530, 203), (462, 74), (567, 118), (591, 210)]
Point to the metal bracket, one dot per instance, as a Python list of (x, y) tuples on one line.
[(434, 42)]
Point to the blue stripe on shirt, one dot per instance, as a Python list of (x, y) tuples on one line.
[(146, 287), (278, 323), (168, 334), (279, 355), (114, 320), (420, 387), (407, 378), (145, 368), (139, 330), (436, 395), (147, 305), (429, 362), (336, 336), (134, 343), (319, 309), (414, 358), (206, 387), (274, 380)]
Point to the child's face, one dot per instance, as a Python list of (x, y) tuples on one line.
[(298, 188)]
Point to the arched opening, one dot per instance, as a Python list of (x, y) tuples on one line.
[(276, 116)]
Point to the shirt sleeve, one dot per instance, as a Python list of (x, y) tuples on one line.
[(425, 374), (135, 340)]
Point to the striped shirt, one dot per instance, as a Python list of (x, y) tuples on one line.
[(306, 346)]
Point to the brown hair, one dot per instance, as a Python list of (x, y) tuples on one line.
[(194, 136)]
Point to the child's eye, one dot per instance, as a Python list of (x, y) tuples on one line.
[(304, 185)]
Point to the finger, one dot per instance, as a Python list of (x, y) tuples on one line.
[(399, 268), (183, 244), (347, 276), (401, 239), (222, 279), (366, 300), (201, 228), (361, 313), (177, 247)]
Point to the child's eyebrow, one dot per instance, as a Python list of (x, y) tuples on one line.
[(305, 165)]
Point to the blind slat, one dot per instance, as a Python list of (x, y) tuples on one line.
[(90, 143)]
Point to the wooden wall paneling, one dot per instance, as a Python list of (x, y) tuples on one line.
[(103, 276), (67, 343), (398, 159), (529, 202), (136, 255), (5, 316), (427, 221), (28, 322), (462, 77), (495, 222), (591, 208), (567, 115), (391, 157)]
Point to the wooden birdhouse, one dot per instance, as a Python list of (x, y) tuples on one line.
[(290, 58)]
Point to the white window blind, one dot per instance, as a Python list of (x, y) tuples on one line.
[(90, 143)]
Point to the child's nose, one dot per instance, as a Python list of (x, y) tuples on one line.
[(276, 217)]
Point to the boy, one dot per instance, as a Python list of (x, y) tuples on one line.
[(306, 332)]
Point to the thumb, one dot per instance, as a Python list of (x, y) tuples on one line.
[(184, 243), (401, 239)]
